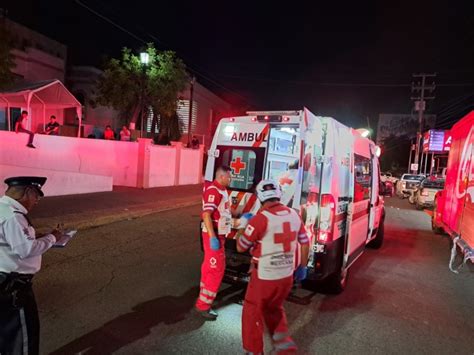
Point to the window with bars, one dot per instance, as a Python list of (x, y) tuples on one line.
[(183, 114), (149, 121)]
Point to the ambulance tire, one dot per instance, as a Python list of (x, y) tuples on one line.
[(336, 283), (377, 242)]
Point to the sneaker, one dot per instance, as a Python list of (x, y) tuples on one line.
[(31, 146), (208, 314)]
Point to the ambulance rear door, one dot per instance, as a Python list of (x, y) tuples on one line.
[(241, 145)]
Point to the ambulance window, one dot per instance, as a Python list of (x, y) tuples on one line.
[(243, 167), (283, 159), (362, 178)]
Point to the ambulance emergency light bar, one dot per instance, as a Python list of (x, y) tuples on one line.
[(272, 116), (266, 118)]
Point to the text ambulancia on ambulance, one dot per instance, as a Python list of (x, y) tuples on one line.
[(327, 172)]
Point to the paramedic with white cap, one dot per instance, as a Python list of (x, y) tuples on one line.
[(20, 260), (272, 237)]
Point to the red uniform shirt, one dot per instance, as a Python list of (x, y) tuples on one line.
[(213, 197), (257, 228)]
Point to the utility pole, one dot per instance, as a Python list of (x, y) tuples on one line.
[(409, 159), (419, 95)]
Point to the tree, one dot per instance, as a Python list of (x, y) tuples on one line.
[(6, 58), (134, 88)]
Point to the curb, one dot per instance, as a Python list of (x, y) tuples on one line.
[(87, 220)]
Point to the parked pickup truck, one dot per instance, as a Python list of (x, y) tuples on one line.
[(423, 197), (407, 184)]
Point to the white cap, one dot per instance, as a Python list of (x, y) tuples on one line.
[(268, 189)]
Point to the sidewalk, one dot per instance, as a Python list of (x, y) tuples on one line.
[(96, 209)]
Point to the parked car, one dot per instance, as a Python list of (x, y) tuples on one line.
[(407, 184), (424, 195)]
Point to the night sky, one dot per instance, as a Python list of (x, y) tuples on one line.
[(343, 59)]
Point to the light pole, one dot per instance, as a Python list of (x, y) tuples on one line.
[(144, 60)]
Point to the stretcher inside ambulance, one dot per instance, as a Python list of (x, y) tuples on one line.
[(313, 160)]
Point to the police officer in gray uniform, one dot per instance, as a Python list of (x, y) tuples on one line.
[(20, 259)]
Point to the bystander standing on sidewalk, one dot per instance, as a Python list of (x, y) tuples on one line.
[(20, 127)]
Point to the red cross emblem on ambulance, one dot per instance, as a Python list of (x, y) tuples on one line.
[(237, 165)]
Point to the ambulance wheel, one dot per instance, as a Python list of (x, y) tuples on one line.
[(377, 242), (336, 283)]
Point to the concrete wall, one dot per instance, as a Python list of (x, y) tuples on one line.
[(81, 165), (162, 166), (59, 181)]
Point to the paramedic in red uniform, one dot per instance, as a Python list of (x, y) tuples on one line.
[(217, 219), (272, 237)]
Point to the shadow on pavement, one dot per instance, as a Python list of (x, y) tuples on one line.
[(130, 327)]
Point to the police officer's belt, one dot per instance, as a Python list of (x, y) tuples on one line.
[(8, 280)]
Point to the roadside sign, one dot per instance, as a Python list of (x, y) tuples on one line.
[(414, 167)]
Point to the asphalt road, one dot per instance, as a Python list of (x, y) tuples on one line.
[(129, 288)]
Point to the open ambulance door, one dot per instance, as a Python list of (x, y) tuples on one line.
[(360, 208), (283, 161)]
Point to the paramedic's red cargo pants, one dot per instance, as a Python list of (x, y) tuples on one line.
[(212, 272), (264, 303)]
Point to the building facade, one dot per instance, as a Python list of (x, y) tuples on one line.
[(36, 56), (398, 125)]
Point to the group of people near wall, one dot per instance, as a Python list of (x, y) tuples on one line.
[(52, 128), (125, 135)]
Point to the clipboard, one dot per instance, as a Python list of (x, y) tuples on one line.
[(65, 238)]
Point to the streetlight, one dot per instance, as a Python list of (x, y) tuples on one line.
[(364, 132), (144, 60)]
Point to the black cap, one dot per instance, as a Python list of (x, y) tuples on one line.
[(33, 181)]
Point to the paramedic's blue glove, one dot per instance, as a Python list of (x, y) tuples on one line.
[(215, 244), (244, 219), (301, 273), (247, 216)]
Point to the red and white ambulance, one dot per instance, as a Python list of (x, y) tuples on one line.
[(327, 171), (454, 206)]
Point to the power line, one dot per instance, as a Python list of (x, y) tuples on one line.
[(79, 2), (315, 83)]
